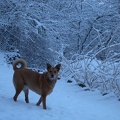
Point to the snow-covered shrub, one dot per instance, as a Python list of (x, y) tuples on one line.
[(93, 73)]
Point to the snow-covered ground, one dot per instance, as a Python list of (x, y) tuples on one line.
[(67, 102)]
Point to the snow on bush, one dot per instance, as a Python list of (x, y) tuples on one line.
[(103, 75), (88, 71)]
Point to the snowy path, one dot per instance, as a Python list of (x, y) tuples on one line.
[(67, 102)]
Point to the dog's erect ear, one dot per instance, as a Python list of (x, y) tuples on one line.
[(58, 67), (48, 66)]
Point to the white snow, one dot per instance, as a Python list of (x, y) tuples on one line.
[(67, 102)]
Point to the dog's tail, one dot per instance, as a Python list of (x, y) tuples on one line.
[(18, 64)]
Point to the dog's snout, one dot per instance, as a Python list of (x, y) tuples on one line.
[(52, 76)]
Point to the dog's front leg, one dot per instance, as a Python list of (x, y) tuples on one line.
[(44, 101), (39, 101)]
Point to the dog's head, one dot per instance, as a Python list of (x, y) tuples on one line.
[(53, 71)]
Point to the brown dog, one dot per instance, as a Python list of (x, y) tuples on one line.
[(42, 84)]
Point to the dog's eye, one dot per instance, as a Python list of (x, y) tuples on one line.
[(50, 71), (54, 71)]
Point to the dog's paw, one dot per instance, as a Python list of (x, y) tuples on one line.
[(14, 99), (37, 104)]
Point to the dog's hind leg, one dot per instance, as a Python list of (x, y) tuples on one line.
[(26, 91), (18, 91)]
